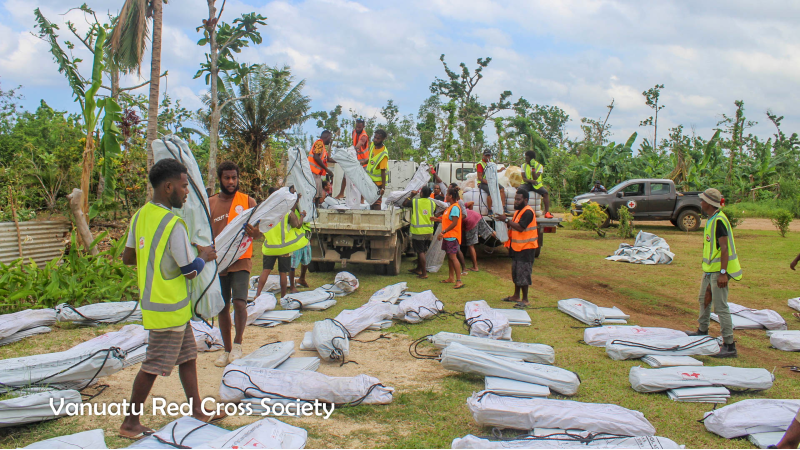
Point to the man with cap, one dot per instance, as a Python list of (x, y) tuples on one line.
[(598, 188), (720, 263), (532, 171), (483, 185)]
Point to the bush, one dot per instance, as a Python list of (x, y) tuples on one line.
[(626, 228), (591, 218), (781, 219), (734, 216)]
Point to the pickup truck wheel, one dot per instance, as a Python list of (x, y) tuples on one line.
[(313, 267), (673, 222), (393, 268), (607, 222), (688, 221)]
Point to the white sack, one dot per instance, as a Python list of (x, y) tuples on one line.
[(757, 415), (357, 320), (647, 249), (86, 439), (591, 314), (207, 339), (658, 361), (794, 303), (788, 342), (767, 318), (128, 338), (504, 386), (420, 179), (382, 325), (240, 382), (35, 407), (255, 309), (20, 335), (498, 202), (478, 199), (460, 358), (109, 312), (356, 174), (195, 212), (302, 178), (303, 300), (598, 336), (483, 321), (535, 353), (331, 340), (567, 440), (13, 323), (633, 348), (491, 410), (434, 257), (390, 293), (265, 433), (419, 307), (345, 283), (268, 356), (186, 431), (656, 380)]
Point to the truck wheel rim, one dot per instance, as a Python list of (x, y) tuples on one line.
[(688, 222)]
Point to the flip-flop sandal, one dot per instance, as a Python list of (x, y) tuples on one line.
[(508, 299), (304, 285), (796, 315), (459, 287), (473, 270), (136, 437), (446, 282), (214, 418), (522, 306)]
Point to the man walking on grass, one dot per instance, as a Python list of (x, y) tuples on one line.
[(720, 263), (523, 240), (234, 281), (158, 245)]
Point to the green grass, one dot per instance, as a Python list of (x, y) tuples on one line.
[(763, 208), (571, 265)]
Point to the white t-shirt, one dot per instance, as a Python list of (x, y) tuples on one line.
[(179, 252)]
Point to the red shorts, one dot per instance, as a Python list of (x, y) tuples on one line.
[(450, 247)]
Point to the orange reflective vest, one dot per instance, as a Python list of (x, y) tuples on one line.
[(241, 203), (316, 168), (446, 222), (523, 240), (361, 152)]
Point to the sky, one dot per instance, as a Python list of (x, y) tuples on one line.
[(576, 54)]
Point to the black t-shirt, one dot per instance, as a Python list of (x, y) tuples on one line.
[(524, 255), (721, 230)]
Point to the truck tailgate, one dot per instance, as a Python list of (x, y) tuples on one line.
[(360, 221)]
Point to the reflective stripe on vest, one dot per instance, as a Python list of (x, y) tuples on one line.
[(283, 239), (446, 222), (363, 152), (422, 223), (165, 303), (531, 169), (242, 200), (526, 239), (712, 261), (374, 160), (316, 168)]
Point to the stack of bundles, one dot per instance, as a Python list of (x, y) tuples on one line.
[(272, 318), (344, 283), (300, 363), (301, 177), (22, 324), (389, 294), (647, 249), (357, 320), (515, 316), (514, 388), (316, 300), (36, 407), (112, 312), (331, 340), (491, 410), (420, 179), (418, 307), (460, 358), (591, 314), (557, 439), (658, 361), (254, 382), (356, 174), (79, 366), (700, 394), (522, 351), (498, 207), (207, 339), (657, 380), (534, 200), (478, 199), (794, 303), (86, 439), (256, 308), (632, 348), (786, 340), (268, 356), (746, 318), (483, 321), (598, 336), (763, 420)]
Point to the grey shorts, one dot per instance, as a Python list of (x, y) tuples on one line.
[(234, 285), (167, 349), (471, 236), (521, 272), (284, 263), (318, 184)]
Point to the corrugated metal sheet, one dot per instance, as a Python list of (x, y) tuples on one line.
[(41, 241)]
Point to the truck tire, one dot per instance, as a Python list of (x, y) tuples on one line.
[(688, 220), (673, 222), (607, 222), (393, 268), (326, 266), (313, 267)]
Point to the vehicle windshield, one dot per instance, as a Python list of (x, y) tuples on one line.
[(614, 189)]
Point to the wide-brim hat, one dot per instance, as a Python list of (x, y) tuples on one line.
[(711, 196)]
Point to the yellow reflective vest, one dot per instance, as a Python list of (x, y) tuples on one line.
[(283, 239), (374, 160), (533, 168), (712, 261), (421, 212)]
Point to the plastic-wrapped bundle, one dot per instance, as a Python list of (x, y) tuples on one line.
[(598, 336), (331, 339), (300, 363), (504, 386), (746, 318), (302, 300), (419, 307), (254, 382), (632, 348), (232, 242), (272, 318), (786, 341), (86, 439), (344, 283), (207, 339), (515, 316), (11, 324), (301, 177), (434, 257), (321, 306), (185, 432), (356, 174), (36, 407), (534, 200), (658, 361), (20, 335), (712, 394), (497, 201), (647, 249), (255, 309), (528, 413), (265, 433), (420, 179), (204, 289), (567, 439), (460, 358), (757, 415), (128, 338), (390, 293), (794, 303), (591, 314), (478, 198), (268, 356), (656, 380), (535, 353), (357, 320), (483, 321), (111, 312)]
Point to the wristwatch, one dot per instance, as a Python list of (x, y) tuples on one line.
[(723, 272)]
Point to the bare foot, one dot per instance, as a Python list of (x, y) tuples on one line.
[(473, 269), (135, 432), (303, 283), (422, 276), (294, 291)]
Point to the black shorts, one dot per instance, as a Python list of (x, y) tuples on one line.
[(420, 245), (234, 285), (485, 188), (528, 187), (284, 263)]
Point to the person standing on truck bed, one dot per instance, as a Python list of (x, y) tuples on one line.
[(234, 281), (523, 240), (361, 144), (377, 164), (483, 185), (720, 263), (451, 237), (318, 160), (422, 209), (532, 172), (439, 189)]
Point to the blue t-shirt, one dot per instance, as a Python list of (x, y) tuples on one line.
[(455, 213)]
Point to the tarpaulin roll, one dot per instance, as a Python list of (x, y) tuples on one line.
[(536, 353), (498, 201), (763, 318), (570, 439), (598, 336), (265, 433), (390, 293), (300, 176), (36, 407), (207, 339), (357, 320), (107, 312), (331, 340), (356, 173), (755, 415), (637, 347), (786, 341), (419, 307), (656, 380), (420, 179), (24, 320)]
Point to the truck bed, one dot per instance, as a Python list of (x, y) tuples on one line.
[(361, 222)]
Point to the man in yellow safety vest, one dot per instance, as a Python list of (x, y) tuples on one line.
[(158, 244), (378, 163), (720, 263), (532, 172), (422, 212)]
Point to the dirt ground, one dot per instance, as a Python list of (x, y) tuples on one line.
[(747, 224)]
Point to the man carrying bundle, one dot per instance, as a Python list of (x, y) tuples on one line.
[(361, 144), (318, 160)]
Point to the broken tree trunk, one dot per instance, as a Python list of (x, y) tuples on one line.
[(84, 234)]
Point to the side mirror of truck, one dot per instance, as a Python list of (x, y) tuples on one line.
[(620, 194)]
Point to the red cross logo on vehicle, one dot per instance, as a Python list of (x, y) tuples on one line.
[(631, 204)]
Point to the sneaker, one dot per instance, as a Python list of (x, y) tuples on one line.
[(696, 333), (236, 353), (727, 351), (547, 215), (222, 360)]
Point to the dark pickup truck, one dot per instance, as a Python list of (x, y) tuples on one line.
[(647, 199)]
